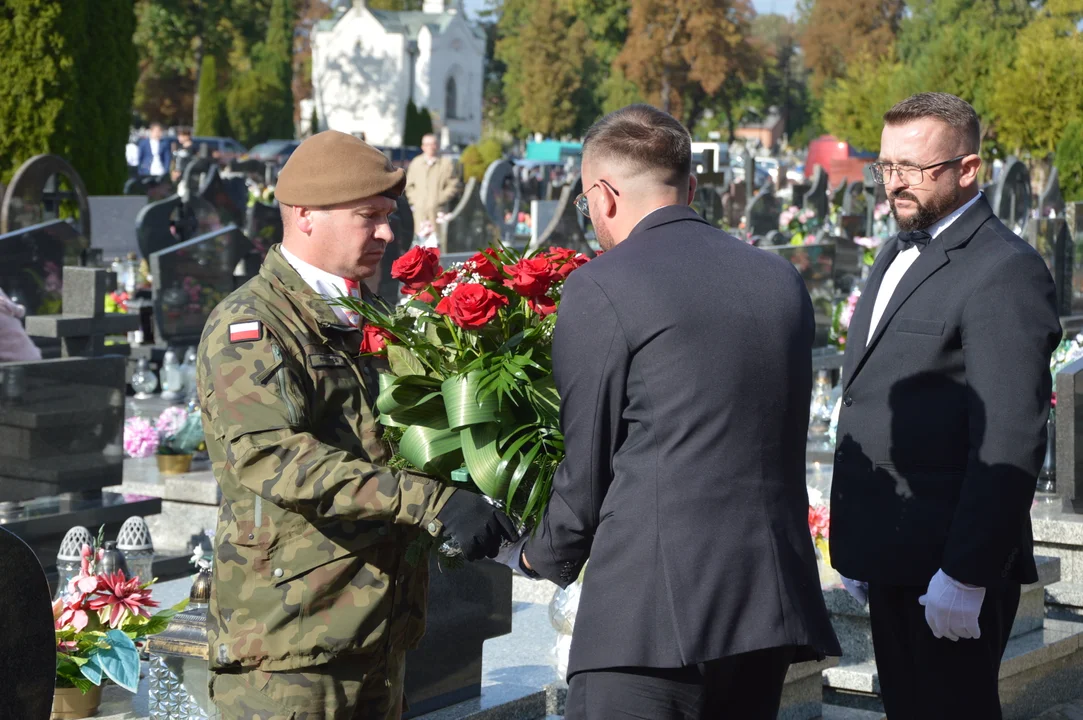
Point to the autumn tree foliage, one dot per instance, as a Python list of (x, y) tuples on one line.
[(839, 32)]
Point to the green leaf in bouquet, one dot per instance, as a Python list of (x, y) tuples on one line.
[(432, 334), (410, 400), (464, 404), (404, 362), (539, 496), (481, 452), (520, 472), (188, 439), (437, 451)]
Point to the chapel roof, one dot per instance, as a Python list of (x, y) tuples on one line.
[(407, 22)]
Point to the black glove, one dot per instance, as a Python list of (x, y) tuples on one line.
[(477, 525)]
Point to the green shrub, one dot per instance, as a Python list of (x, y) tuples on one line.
[(1069, 161)]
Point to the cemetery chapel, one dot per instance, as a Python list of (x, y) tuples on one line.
[(367, 65)]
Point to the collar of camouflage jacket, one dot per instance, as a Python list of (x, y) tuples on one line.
[(277, 270)]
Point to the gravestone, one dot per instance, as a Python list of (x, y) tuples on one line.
[(500, 196), (27, 638), (542, 213), (800, 190), (816, 199), (113, 223), (1052, 240), (849, 258), (156, 225), (568, 227), (468, 227), (733, 203), (1073, 218), (37, 194), (263, 226), (838, 195), (192, 278), (1051, 202), (763, 213), (33, 260), (816, 265), (84, 324), (402, 225), (855, 226), (855, 201), (1069, 422), (775, 238), (1011, 196), (708, 203)]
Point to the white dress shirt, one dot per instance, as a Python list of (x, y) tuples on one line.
[(902, 263), (156, 167), (323, 283)]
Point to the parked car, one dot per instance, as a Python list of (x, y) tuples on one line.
[(223, 149), (276, 151)]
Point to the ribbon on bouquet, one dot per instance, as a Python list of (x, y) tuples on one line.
[(447, 425)]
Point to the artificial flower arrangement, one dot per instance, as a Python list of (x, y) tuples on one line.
[(801, 224), (841, 318), (870, 244), (469, 397), (100, 622), (117, 302), (177, 431)]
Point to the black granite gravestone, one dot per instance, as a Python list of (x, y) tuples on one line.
[(800, 190), (27, 638), (763, 212), (567, 228), (500, 196), (1068, 385), (1053, 242), (191, 278), (468, 227), (1011, 195), (816, 199), (45, 188), (1051, 202), (838, 194), (33, 260)]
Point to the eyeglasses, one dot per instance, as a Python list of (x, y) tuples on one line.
[(581, 203), (909, 175)]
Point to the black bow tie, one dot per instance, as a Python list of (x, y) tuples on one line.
[(913, 238)]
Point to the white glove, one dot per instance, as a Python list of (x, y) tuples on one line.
[(509, 555), (952, 608), (857, 588)]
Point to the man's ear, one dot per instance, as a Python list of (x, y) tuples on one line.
[(971, 165), (303, 219), (692, 185)]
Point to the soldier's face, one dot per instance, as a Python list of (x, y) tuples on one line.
[(350, 240)]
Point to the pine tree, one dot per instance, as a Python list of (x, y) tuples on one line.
[(314, 121), (410, 135), (277, 60), (208, 122)]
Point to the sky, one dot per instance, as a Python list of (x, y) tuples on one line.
[(783, 7)]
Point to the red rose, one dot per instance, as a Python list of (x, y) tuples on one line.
[(437, 286), (564, 261), (530, 278), (471, 306), (543, 305), (482, 264), (417, 268), (374, 339)]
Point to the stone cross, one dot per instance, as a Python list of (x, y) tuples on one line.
[(83, 326)]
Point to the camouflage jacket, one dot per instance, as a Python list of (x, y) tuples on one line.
[(312, 530)]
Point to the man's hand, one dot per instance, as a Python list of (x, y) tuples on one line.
[(952, 608), (511, 555), (476, 524), (857, 588)]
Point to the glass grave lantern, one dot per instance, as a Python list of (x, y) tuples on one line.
[(134, 542)]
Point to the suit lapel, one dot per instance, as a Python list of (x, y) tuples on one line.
[(858, 331)]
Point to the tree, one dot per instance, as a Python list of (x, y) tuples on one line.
[(838, 32), (1069, 161), (68, 76), (418, 125), (679, 53), (606, 22), (544, 48), (313, 121), (853, 107), (1035, 100), (275, 57), (209, 121), (309, 12), (398, 5), (476, 159)]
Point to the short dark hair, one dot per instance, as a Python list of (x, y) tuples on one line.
[(645, 138), (954, 111)]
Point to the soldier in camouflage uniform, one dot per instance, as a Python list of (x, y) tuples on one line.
[(313, 604)]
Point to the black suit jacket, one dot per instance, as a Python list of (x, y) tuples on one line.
[(942, 431), (683, 360)]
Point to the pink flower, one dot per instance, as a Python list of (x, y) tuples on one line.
[(868, 242), (819, 521), (119, 597), (140, 438), (171, 420), (847, 313)]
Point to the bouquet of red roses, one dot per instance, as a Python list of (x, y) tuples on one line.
[(469, 397)]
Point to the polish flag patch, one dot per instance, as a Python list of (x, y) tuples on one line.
[(245, 331)]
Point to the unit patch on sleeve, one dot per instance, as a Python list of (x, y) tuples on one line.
[(245, 331)]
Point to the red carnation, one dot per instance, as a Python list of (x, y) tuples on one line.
[(416, 269), (471, 306), (374, 339), (530, 278)]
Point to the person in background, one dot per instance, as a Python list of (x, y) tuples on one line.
[(184, 152), (15, 344), (155, 153), (131, 155), (432, 185)]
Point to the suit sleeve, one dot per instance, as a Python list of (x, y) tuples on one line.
[(1009, 331), (590, 367), (255, 412)]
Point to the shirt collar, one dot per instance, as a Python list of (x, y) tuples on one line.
[(321, 281), (941, 225)]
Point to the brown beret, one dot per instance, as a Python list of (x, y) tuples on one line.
[(331, 168)]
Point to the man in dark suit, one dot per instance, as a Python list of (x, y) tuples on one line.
[(942, 430), (683, 360), (155, 154)]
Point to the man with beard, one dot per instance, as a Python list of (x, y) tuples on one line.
[(946, 392), (683, 357)]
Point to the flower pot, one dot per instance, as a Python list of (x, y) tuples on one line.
[(174, 464), (71, 703)]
